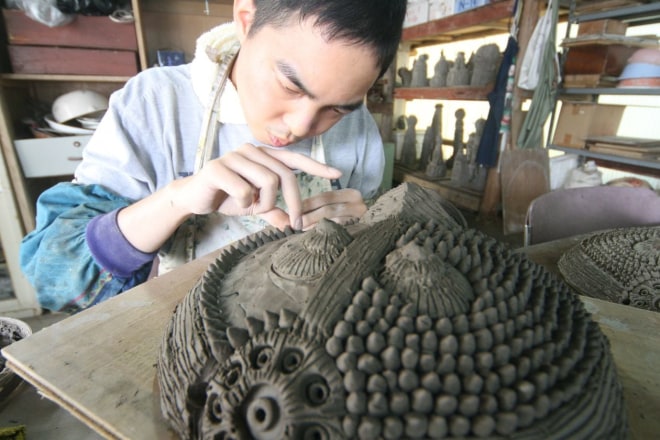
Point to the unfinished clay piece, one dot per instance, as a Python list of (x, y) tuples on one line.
[(11, 330), (459, 75), (620, 265), (419, 70), (402, 325), (486, 63), (409, 151), (440, 71)]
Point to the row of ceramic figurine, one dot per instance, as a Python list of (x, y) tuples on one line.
[(465, 171), (480, 70)]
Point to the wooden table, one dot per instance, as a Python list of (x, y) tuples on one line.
[(100, 363)]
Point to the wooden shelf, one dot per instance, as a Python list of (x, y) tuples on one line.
[(463, 198), (62, 78), (490, 19), (645, 164), (633, 15), (610, 91), (465, 93)]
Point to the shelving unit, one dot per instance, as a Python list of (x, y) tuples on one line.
[(159, 24), (18, 91), (489, 20), (633, 15)]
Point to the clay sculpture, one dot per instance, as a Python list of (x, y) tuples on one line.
[(620, 265), (404, 324)]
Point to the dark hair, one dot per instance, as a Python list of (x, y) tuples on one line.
[(375, 23)]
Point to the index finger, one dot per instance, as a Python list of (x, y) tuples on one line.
[(297, 161)]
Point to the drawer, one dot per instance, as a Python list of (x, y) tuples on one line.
[(72, 61), (84, 31), (58, 156)]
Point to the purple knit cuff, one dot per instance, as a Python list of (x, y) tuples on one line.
[(110, 248)]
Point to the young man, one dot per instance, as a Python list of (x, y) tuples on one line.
[(190, 158)]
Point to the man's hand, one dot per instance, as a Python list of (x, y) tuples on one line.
[(243, 182), (246, 182), (340, 206)]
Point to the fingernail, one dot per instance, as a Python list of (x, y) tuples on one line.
[(298, 224)]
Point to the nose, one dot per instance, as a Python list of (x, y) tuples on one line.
[(302, 119)]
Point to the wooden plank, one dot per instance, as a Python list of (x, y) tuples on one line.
[(100, 364), (72, 61), (139, 34), (110, 384), (488, 19), (24, 303), (84, 31), (465, 93)]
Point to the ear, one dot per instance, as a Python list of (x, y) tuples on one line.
[(243, 17)]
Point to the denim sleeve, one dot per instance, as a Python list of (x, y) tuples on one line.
[(57, 259)]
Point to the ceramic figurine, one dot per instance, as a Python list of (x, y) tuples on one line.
[(436, 168), (409, 152), (405, 75), (458, 137), (477, 174), (419, 72), (432, 137), (485, 65), (458, 74), (440, 71)]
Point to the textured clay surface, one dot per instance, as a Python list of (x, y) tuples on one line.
[(402, 325), (620, 265)]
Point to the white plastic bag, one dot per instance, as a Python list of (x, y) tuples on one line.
[(587, 175), (530, 65), (45, 12)]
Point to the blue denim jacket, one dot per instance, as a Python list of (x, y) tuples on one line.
[(49, 254)]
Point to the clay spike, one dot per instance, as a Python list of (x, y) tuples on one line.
[(254, 325), (287, 318), (271, 319), (237, 336)]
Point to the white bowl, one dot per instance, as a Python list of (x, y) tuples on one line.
[(65, 128), (77, 104)]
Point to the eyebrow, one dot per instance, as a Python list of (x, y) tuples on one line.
[(290, 73)]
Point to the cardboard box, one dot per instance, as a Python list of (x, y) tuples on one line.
[(83, 31), (416, 13), (72, 61), (440, 9), (602, 27), (578, 120), (600, 59)]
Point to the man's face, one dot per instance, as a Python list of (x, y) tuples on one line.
[(293, 84)]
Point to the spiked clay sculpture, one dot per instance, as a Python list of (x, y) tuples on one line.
[(402, 325)]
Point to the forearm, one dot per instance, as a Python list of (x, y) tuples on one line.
[(149, 222)]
